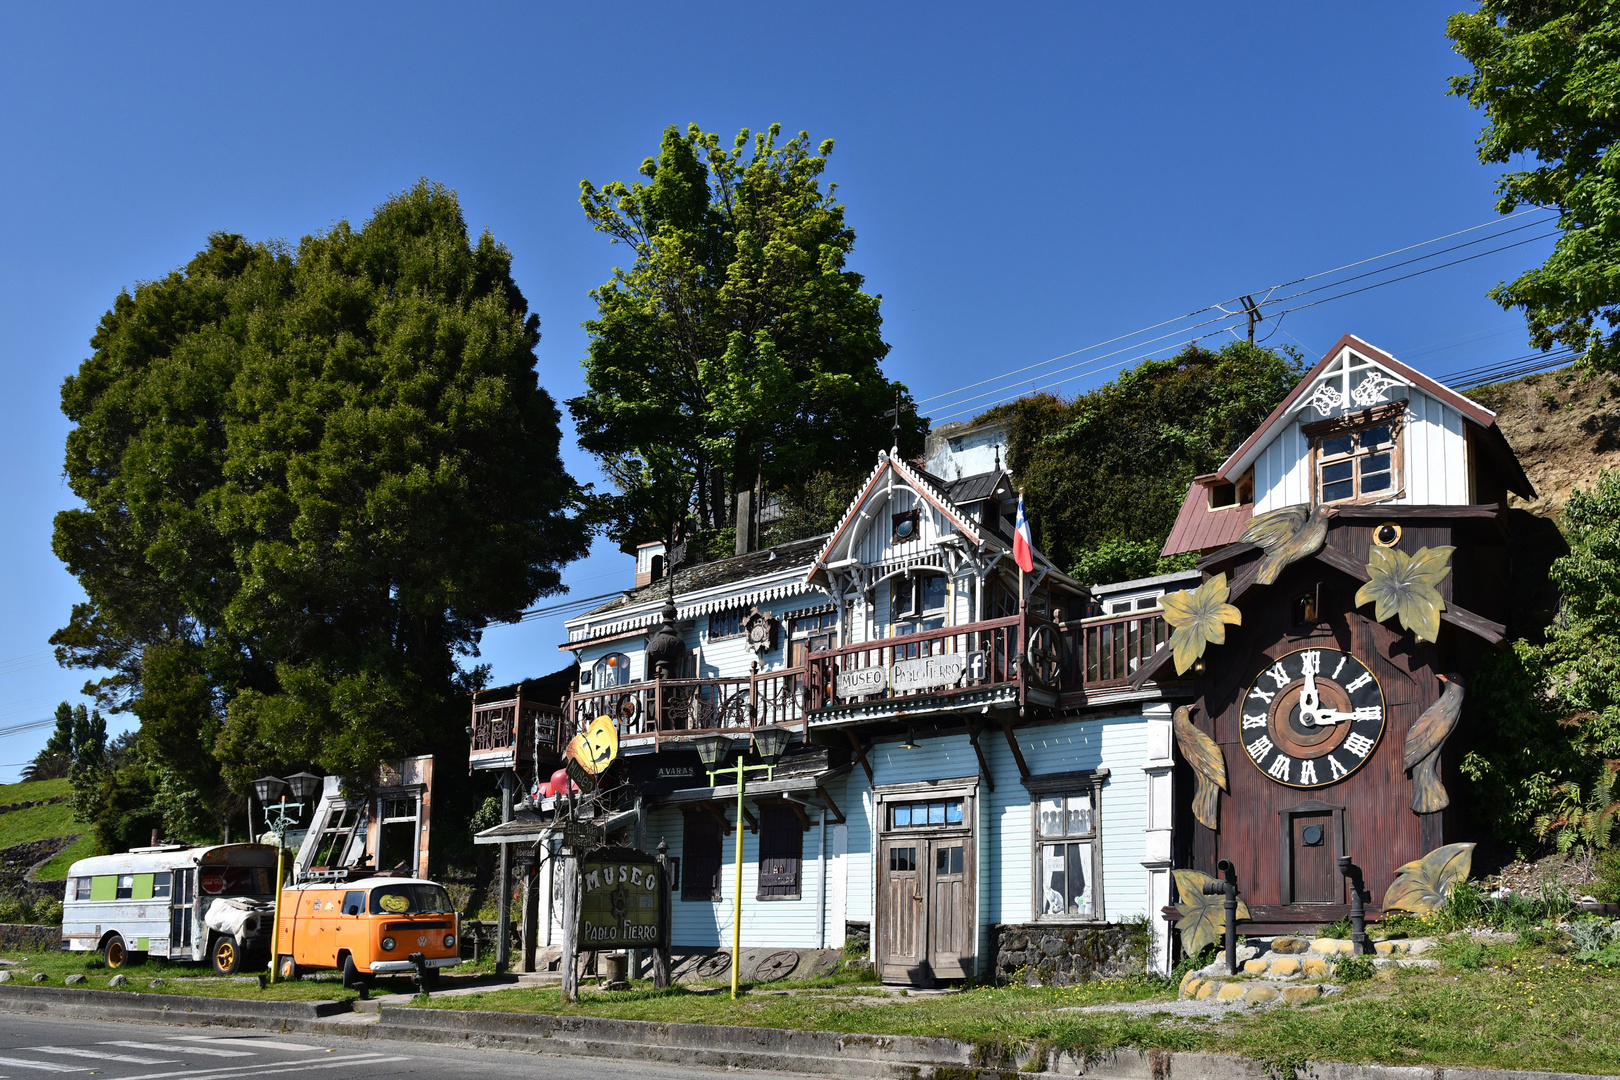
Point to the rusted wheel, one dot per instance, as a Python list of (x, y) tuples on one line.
[(714, 965), (778, 965)]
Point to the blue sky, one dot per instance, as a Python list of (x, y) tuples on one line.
[(1025, 180)]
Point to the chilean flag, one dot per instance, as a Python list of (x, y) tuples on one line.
[(1023, 541)]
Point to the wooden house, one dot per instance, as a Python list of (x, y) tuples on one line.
[(969, 766), (1333, 725)]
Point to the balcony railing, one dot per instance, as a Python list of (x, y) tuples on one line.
[(673, 708), (513, 731), (1023, 657)]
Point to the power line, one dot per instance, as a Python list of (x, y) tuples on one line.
[(1267, 299)]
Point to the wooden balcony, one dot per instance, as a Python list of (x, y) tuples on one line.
[(512, 732), (665, 709), (1019, 661)]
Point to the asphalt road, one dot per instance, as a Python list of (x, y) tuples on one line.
[(43, 1048)]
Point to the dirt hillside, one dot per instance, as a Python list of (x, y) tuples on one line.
[(1565, 427)]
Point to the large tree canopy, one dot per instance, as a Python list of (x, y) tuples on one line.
[(738, 347), (1105, 474), (1547, 76), (310, 478)]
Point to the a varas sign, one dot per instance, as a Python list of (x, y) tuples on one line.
[(621, 903)]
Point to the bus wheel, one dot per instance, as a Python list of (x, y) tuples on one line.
[(226, 955), (286, 969), (117, 955)]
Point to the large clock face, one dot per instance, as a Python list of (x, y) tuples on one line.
[(1312, 718)]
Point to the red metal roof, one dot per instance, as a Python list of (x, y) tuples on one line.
[(1198, 528)]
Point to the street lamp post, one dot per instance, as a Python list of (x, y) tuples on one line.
[(770, 742), (278, 814)]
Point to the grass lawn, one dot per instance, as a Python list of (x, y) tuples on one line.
[(193, 979), (42, 823), (1505, 1006)]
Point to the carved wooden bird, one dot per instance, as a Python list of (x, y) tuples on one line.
[(1208, 764), (1287, 535), (1423, 743)]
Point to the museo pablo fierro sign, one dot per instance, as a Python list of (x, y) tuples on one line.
[(920, 673), (620, 903)]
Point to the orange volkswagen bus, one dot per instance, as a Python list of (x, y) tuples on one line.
[(367, 927)]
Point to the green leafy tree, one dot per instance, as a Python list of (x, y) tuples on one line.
[(738, 349), (1104, 475), (78, 742), (1546, 74), (310, 476)]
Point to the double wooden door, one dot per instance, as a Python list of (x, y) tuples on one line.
[(926, 903)]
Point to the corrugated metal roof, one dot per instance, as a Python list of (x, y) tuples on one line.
[(975, 488), (1199, 528)]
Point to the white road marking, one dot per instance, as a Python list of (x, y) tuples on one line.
[(267, 1070), (247, 1040), (170, 1048), (98, 1055), (47, 1066)]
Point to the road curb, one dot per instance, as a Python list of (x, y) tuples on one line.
[(806, 1053), (134, 1005)]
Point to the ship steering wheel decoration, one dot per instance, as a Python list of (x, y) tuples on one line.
[(1312, 717)]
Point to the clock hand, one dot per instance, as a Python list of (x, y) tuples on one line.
[(1308, 699), (1325, 717)]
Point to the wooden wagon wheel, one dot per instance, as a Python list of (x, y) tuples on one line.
[(778, 965), (714, 965), (1044, 656)]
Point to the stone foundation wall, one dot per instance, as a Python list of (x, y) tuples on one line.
[(1040, 954), (18, 937)]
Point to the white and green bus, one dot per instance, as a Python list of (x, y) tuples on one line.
[(175, 902)]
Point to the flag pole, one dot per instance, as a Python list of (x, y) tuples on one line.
[(1023, 602)]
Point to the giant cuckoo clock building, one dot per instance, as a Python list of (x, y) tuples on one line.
[(1358, 540)]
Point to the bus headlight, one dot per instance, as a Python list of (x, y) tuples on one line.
[(388, 944), (449, 940)]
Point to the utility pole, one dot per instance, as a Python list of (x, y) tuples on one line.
[(1252, 310)]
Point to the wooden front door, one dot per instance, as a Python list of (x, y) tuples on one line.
[(926, 890), (950, 910), (901, 922)]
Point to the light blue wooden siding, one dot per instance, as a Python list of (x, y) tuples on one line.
[(783, 923)]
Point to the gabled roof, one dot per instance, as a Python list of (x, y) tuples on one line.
[(929, 487), (1482, 418), (977, 488), (1200, 526)]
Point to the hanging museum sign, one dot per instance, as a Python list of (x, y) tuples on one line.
[(620, 904)]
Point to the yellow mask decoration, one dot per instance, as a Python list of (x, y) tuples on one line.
[(595, 747)]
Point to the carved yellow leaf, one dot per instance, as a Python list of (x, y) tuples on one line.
[(1405, 585), (1422, 885), (1202, 919), (1198, 618)]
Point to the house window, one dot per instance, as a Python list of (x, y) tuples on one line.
[(612, 670), (700, 852), (918, 602), (1359, 461), (1068, 848), (781, 851), (914, 815), (724, 624), (906, 526)]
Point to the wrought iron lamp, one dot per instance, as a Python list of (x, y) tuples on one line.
[(278, 815), (770, 742)]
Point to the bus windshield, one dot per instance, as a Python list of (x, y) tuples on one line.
[(411, 899), (234, 880)]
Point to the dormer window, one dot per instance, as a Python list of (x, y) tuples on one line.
[(1357, 458)]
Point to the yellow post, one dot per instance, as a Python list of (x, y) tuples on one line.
[(736, 914), (275, 926)]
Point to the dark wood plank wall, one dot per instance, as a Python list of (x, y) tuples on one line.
[(1380, 830)]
